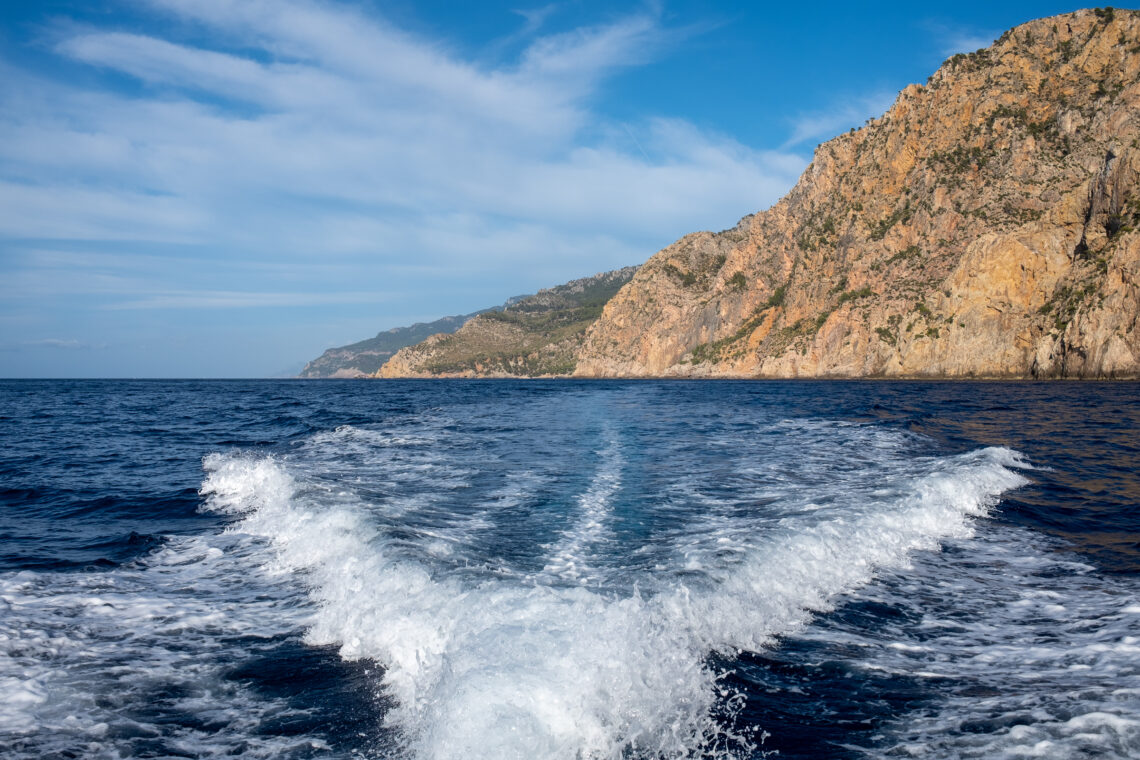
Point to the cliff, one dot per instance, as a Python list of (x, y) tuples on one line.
[(985, 226), (538, 335)]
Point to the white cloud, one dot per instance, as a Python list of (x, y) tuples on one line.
[(124, 281), (845, 113), (66, 212), (327, 141), (953, 38), (211, 299), (66, 344)]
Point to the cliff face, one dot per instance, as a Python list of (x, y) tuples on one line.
[(538, 335), (984, 226)]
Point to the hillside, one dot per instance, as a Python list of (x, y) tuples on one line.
[(365, 357), (985, 226), (533, 336)]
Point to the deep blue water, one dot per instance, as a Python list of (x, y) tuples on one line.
[(499, 569)]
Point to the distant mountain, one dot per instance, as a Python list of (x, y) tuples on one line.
[(365, 357), (537, 335)]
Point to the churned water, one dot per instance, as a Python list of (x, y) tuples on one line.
[(561, 569)]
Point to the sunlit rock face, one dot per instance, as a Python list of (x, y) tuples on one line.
[(985, 226)]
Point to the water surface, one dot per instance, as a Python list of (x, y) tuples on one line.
[(563, 569)]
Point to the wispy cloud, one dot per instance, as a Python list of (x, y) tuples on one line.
[(123, 281), (66, 344), (845, 113), (230, 299), (535, 18), (339, 122), (954, 38), (274, 154)]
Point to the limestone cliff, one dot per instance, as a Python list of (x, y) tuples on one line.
[(538, 335), (984, 226)]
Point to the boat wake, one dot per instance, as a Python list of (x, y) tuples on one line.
[(579, 652)]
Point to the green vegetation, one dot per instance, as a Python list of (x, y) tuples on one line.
[(961, 159), (818, 232), (717, 349), (688, 279), (369, 355), (700, 271), (1124, 221), (1115, 224), (1066, 301), (852, 295), (1006, 112), (910, 252), (1021, 215), (738, 281), (1020, 117), (969, 61), (535, 335), (902, 215)]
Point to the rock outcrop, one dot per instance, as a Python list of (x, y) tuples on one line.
[(535, 336), (985, 226)]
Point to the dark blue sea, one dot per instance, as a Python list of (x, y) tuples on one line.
[(562, 569)]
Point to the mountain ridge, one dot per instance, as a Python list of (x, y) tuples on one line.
[(985, 226), (534, 336), (365, 357)]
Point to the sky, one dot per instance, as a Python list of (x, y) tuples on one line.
[(225, 188)]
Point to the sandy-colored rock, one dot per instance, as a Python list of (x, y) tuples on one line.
[(985, 226)]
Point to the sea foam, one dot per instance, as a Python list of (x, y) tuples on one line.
[(535, 666)]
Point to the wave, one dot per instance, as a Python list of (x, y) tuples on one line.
[(527, 665), (98, 664), (569, 557)]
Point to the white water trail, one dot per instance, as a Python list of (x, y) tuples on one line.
[(503, 669), (570, 557)]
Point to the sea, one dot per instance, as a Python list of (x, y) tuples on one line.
[(538, 569)]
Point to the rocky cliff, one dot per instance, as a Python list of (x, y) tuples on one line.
[(538, 335), (985, 226)]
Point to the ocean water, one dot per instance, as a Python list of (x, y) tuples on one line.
[(533, 569)]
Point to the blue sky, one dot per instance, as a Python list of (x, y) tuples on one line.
[(213, 188)]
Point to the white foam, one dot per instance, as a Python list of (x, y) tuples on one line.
[(1012, 678), (496, 667), (382, 543), (89, 661), (569, 558)]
